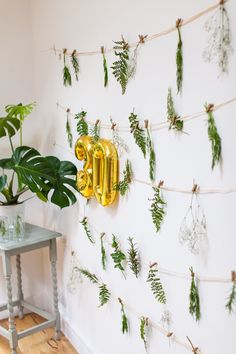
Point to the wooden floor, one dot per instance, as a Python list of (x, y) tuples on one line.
[(38, 343)]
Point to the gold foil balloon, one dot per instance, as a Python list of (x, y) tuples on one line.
[(83, 151), (105, 171)]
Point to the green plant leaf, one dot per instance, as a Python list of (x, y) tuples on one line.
[(82, 125), (9, 126), (118, 256), (157, 209), (92, 277), (19, 111), (133, 258), (104, 294), (179, 60), (138, 133), (213, 136), (231, 302), (105, 69), (194, 299), (143, 329), (123, 185), (121, 66), (175, 121), (103, 252), (3, 182), (156, 285), (75, 64), (84, 222)]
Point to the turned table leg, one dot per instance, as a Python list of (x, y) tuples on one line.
[(53, 260), (12, 329), (19, 285)]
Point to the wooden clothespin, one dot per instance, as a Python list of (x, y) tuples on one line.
[(179, 22), (233, 276), (146, 123), (209, 107), (97, 122), (160, 184), (142, 38), (195, 188)]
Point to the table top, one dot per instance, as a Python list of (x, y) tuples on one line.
[(33, 235)]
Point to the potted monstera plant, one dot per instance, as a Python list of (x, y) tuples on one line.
[(27, 170)]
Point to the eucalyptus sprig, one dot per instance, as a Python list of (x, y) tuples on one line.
[(82, 125), (103, 252), (175, 122), (179, 57), (155, 283), (105, 69), (68, 129), (104, 294), (75, 63), (95, 131), (213, 136), (88, 232), (118, 256), (121, 66), (123, 185), (231, 301), (124, 319), (194, 299), (151, 151), (67, 81), (138, 133), (133, 258), (143, 331), (157, 208)]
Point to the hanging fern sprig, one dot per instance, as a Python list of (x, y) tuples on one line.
[(213, 136), (151, 151), (123, 185), (92, 277), (67, 81), (143, 327), (75, 63), (175, 122), (179, 57), (138, 133), (87, 230), (104, 294), (105, 69), (194, 299), (103, 251), (158, 207), (231, 301), (120, 68), (118, 256), (68, 128), (155, 283), (133, 258), (124, 319), (95, 131), (82, 125)]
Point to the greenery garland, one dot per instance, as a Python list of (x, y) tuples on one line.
[(194, 299), (124, 319), (213, 136), (121, 66), (179, 57), (138, 133), (87, 230), (82, 125), (157, 208), (133, 258), (123, 185), (156, 285)]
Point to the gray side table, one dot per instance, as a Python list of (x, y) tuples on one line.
[(35, 238)]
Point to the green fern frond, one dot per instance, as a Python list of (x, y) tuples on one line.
[(105, 69), (68, 130), (88, 233), (75, 64), (179, 58), (213, 136), (138, 133), (121, 66), (133, 258), (194, 300), (123, 185), (231, 302), (142, 330), (124, 319), (152, 156), (103, 252), (67, 81), (118, 256), (104, 294), (82, 125), (173, 118), (92, 277), (156, 285), (157, 209)]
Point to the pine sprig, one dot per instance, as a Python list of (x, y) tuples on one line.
[(75, 64), (67, 81), (104, 294), (124, 319), (156, 285), (82, 125), (105, 69), (88, 233), (157, 209), (92, 277), (121, 66), (152, 155), (133, 258), (68, 129), (123, 185), (179, 58), (175, 122), (95, 131), (194, 299), (231, 301), (118, 256), (213, 136), (143, 330), (138, 133), (103, 252)]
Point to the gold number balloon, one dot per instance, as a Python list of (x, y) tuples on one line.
[(105, 171), (83, 151)]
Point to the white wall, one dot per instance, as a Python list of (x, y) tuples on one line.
[(86, 26)]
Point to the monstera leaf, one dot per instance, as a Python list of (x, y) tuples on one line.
[(44, 174), (9, 126), (19, 111)]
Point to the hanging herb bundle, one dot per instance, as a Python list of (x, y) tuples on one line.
[(138, 133), (194, 300), (121, 66), (68, 128), (88, 232), (156, 285), (143, 331), (175, 121), (179, 57), (219, 45), (95, 131), (152, 155), (124, 319), (75, 64), (231, 302), (157, 208), (118, 256), (67, 81), (105, 69), (213, 136), (133, 258), (103, 252), (123, 185), (82, 125)]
